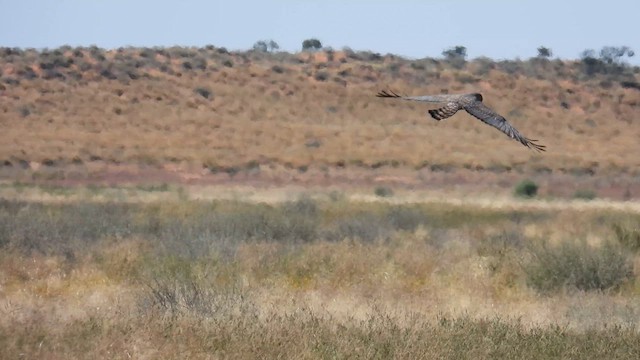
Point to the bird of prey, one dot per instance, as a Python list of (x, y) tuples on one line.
[(471, 103)]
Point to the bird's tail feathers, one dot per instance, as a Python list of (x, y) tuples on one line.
[(388, 94)]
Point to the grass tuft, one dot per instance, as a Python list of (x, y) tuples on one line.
[(627, 236), (578, 265)]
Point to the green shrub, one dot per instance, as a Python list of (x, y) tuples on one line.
[(383, 191), (456, 56), (260, 46), (577, 265), (544, 52), (266, 46), (311, 44), (527, 189)]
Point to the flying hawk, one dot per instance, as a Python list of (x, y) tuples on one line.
[(471, 103)]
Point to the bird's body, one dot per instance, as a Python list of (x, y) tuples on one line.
[(471, 103)]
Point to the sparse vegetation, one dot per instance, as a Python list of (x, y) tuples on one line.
[(578, 265), (628, 236), (608, 61), (343, 278), (151, 226), (584, 194), (153, 82)]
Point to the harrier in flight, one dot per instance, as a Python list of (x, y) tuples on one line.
[(471, 103)]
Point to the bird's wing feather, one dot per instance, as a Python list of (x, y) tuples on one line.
[(490, 117), (446, 111), (425, 98)]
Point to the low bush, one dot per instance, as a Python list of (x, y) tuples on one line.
[(577, 265), (383, 191), (526, 189), (322, 76), (628, 237)]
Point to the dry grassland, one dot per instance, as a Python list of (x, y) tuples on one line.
[(231, 111), (200, 203), (329, 278)]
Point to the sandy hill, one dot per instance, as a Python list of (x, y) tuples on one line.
[(219, 111)]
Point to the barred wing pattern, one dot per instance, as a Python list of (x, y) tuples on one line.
[(472, 103), (446, 111), (490, 117)]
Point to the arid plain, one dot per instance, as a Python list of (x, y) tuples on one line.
[(201, 203)]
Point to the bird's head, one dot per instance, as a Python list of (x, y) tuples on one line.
[(478, 96)]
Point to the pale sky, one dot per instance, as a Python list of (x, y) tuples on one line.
[(499, 29)]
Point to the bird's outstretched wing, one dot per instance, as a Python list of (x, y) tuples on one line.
[(488, 116), (425, 98)]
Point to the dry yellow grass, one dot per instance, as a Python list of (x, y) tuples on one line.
[(259, 116), (156, 280), (233, 270)]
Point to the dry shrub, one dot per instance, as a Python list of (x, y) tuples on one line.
[(578, 265), (628, 236), (155, 85), (249, 287)]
